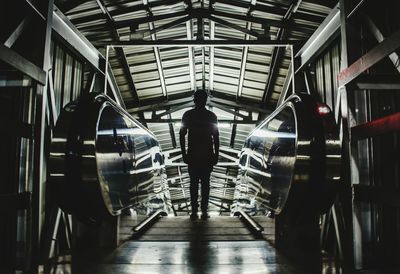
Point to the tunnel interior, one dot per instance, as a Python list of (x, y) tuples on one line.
[(92, 95)]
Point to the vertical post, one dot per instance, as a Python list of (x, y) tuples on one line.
[(39, 166), (350, 52), (106, 70), (293, 71)]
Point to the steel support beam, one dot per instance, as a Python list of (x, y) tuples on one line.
[(384, 49), (203, 43), (245, 52), (42, 44), (278, 53), (212, 57), (321, 38), (121, 55), (142, 34), (286, 86), (263, 21), (163, 105), (156, 50), (235, 27), (16, 61), (273, 9), (125, 10), (243, 106), (394, 57), (350, 49), (69, 33), (172, 110), (216, 98), (192, 68), (378, 82), (228, 110), (148, 19), (390, 123), (17, 32), (223, 121)]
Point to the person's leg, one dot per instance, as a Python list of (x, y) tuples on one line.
[(205, 190), (194, 189)]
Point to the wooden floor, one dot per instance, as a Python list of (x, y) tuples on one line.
[(177, 245)]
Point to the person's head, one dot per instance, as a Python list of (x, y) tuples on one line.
[(200, 98)]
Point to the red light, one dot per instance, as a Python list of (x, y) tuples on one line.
[(323, 109)]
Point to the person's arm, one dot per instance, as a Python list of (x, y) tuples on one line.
[(216, 141), (182, 141)]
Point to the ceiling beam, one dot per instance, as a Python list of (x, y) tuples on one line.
[(245, 52), (212, 57), (327, 31), (195, 43), (224, 121), (156, 51), (159, 106), (172, 110), (240, 105), (229, 110), (263, 21), (217, 97), (274, 9), (236, 27), (137, 35), (148, 19), (278, 53), (120, 51), (125, 10), (192, 69)]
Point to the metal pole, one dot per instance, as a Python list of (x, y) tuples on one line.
[(106, 70), (293, 72)]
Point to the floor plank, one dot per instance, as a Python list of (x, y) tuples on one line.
[(178, 245)]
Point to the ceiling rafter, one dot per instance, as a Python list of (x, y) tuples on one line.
[(120, 53), (156, 51), (124, 10), (189, 33), (211, 50), (229, 110), (145, 33), (148, 19), (224, 121), (278, 53), (245, 52)]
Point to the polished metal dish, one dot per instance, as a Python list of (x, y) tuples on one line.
[(102, 161), (293, 155)]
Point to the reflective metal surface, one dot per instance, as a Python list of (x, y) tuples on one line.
[(102, 161), (293, 154)]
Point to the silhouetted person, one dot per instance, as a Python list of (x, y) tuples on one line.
[(202, 152)]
